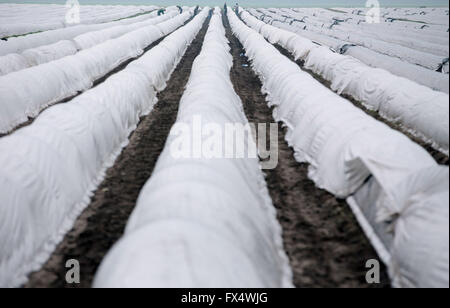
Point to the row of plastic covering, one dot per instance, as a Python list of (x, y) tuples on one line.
[(22, 43), (421, 75), (25, 93), (435, 80), (438, 47), (439, 25), (304, 20), (19, 19), (433, 45), (380, 42), (427, 60), (43, 54), (419, 109), (202, 222), (330, 19), (414, 16), (51, 168), (345, 147)]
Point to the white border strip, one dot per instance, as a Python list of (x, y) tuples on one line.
[(381, 249)]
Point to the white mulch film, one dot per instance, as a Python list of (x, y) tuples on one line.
[(376, 53), (398, 193), (90, 131), (22, 43), (69, 46), (17, 19), (181, 235), (26, 92), (344, 146), (422, 111)]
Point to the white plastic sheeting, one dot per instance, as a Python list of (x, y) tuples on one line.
[(422, 111), (344, 147), (22, 43), (25, 93), (51, 167), (163, 58), (388, 19), (432, 79), (90, 39), (44, 54), (421, 204), (17, 19), (413, 56), (417, 213), (437, 46), (12, 63), (419, 43), (410, 52), (287, 39), (35, 56), (433, 16), (47, 53), (354, 22), (202, 222)]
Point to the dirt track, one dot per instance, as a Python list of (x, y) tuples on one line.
[(325, 245)]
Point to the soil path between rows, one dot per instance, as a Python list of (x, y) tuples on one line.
[(103, 222), (322, 238)]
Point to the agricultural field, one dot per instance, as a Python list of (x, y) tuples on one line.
[(224, 147)]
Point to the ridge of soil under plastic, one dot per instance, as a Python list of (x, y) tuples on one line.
[(98, 81), (440, 158), (324, 242), (322, 238), (103, 222)]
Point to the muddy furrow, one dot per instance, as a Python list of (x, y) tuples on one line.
[(438, 156), (104, 221), (322, 238)]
